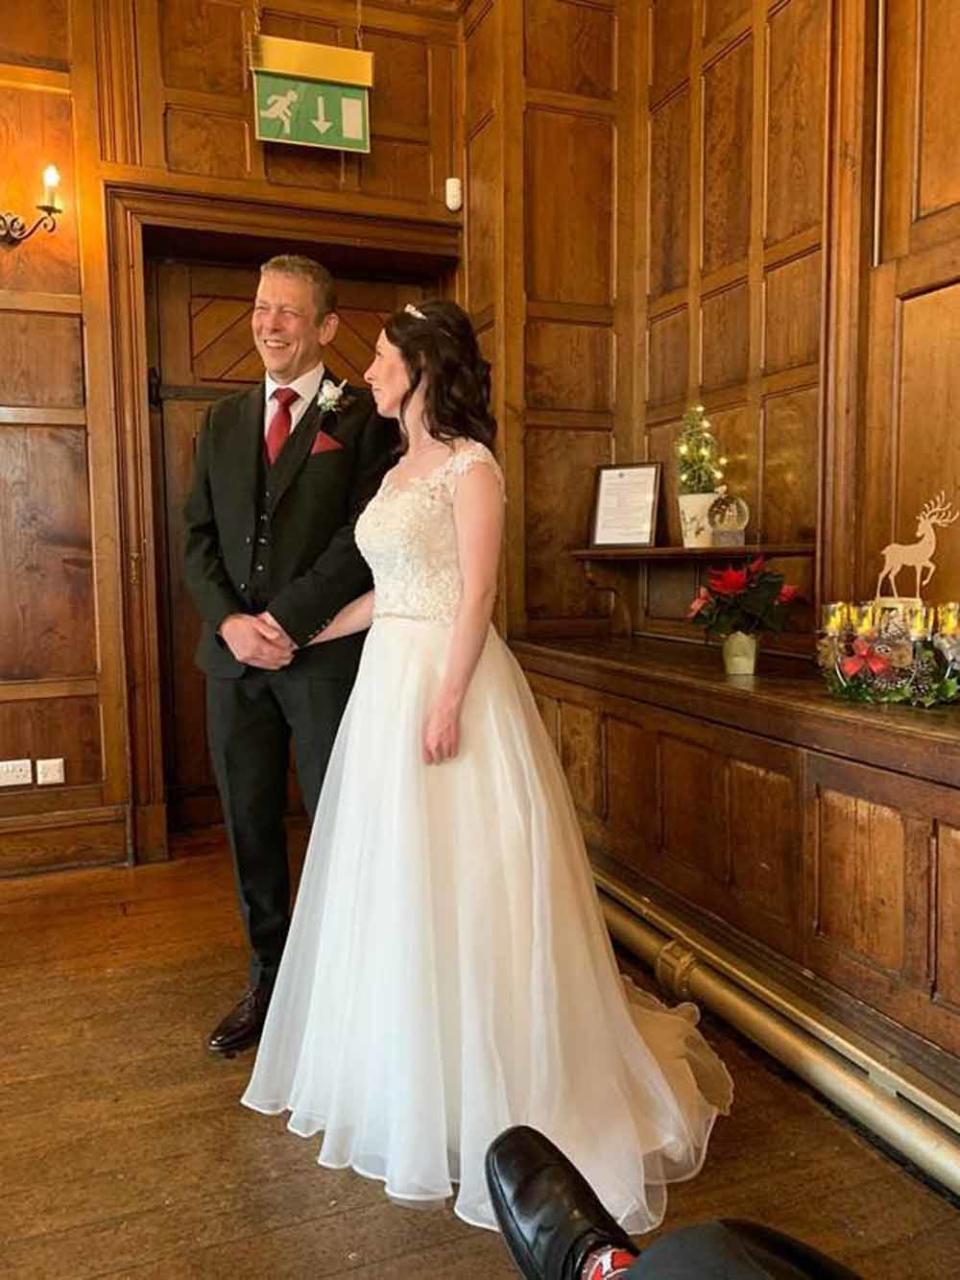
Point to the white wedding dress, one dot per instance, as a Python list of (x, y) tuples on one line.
[(448, 972)]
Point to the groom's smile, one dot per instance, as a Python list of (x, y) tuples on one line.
[(288, 331)]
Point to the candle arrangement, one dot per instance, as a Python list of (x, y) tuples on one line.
[(888, 650)]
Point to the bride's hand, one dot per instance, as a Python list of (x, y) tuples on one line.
[(441, 733)]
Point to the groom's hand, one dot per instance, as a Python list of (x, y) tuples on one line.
[(255, 642), (276, 629)]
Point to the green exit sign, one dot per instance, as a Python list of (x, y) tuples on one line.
[(311, 113)]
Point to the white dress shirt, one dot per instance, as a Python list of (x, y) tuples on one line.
[(307, 386)]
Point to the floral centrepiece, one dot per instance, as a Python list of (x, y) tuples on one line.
[(891, 654), (751, 600)]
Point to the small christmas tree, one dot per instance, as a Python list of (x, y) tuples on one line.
[(698, 454)]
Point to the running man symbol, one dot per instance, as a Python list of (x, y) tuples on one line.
[(279, 106)]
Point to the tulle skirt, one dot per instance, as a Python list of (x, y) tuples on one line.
[(448, 972)]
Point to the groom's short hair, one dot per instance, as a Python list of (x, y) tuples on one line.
[(295, 264)]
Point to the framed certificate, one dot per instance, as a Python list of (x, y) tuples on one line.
[(625, 506)]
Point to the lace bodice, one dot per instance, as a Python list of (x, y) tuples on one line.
[(407, 535)]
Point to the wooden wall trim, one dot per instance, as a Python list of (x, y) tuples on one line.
[(794, 709), (166, 199), (95, 270), (118, 64), (511, 294), (52, 303), (28, 416), (35, 78), (30, 690), (44, 842), (849, 248)]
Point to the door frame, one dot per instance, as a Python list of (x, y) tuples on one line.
[(435, 246)]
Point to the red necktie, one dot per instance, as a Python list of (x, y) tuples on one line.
[(280, 423)]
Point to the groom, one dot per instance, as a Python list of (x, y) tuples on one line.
[(281, 473)]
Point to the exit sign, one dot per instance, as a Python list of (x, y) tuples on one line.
[(311, 95), (312, 114)]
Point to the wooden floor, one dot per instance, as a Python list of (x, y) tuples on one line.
[(123, 1151)]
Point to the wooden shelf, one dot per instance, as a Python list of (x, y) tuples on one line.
[(792, 550)]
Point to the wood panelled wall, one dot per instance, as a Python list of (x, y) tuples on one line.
[(152, 97), (909, 437), (801, 258), (656, 174), (737, 116), (551, 133)]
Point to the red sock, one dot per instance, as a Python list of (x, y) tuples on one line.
[(607, 1264)]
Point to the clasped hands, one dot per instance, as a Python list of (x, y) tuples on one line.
[(257, 640)]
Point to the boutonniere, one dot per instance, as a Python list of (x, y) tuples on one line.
[(330, 395)]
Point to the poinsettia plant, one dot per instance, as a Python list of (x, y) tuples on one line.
[(751, 599)]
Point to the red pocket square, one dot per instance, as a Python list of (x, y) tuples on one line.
[(324, 444)]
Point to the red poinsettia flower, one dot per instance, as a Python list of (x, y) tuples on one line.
[(788, 592), (864, 656), (756, 566), (727, 582), (703, 598)]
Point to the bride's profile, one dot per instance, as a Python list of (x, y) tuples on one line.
[(447, 972)]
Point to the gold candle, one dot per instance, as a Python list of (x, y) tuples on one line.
[(948, 619), (833, 618), (864, 618), (918, 619)]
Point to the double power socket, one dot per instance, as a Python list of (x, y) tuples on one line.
[(19, 773)]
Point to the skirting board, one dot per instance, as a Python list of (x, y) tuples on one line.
[(70, 838), (913, 1115)]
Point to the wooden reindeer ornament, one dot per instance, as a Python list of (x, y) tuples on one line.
[(917, 555)]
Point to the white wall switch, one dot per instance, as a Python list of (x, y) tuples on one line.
[(16, 773), (49, 772)]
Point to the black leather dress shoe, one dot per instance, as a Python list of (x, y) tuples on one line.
[(242, 1026), (550, 1218)]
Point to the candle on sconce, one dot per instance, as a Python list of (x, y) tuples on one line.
[(864, 618), (834, 618), (918, 619), (948, 619), (51, 180)]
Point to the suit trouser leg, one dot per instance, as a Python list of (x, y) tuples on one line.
[(250, 748), (313, 709), (734, 1250)]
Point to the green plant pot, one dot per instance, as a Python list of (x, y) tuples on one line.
[(740, 654)]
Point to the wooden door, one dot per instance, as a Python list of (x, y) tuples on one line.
[(913, 340), (203, 349)]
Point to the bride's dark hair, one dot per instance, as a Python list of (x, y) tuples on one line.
[(437, 342)]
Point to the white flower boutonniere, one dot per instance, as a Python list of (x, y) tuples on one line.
[(330, 395)]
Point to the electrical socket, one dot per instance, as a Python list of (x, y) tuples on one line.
[(50, 772), (16, 773)]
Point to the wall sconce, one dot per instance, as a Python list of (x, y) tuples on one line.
[(13, 229)]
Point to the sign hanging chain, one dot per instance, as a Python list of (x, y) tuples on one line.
[(359, 31)]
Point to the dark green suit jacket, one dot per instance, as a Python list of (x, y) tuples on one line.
[(282, 538)]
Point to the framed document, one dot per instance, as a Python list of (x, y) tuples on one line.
[(625, 506)]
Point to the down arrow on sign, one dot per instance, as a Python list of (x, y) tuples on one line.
[(321, 124)]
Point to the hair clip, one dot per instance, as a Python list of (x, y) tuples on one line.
[(411, 310)]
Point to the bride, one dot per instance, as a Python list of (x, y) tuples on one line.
[(447, 972)]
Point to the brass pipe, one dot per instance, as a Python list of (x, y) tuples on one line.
[(923, 1139)]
